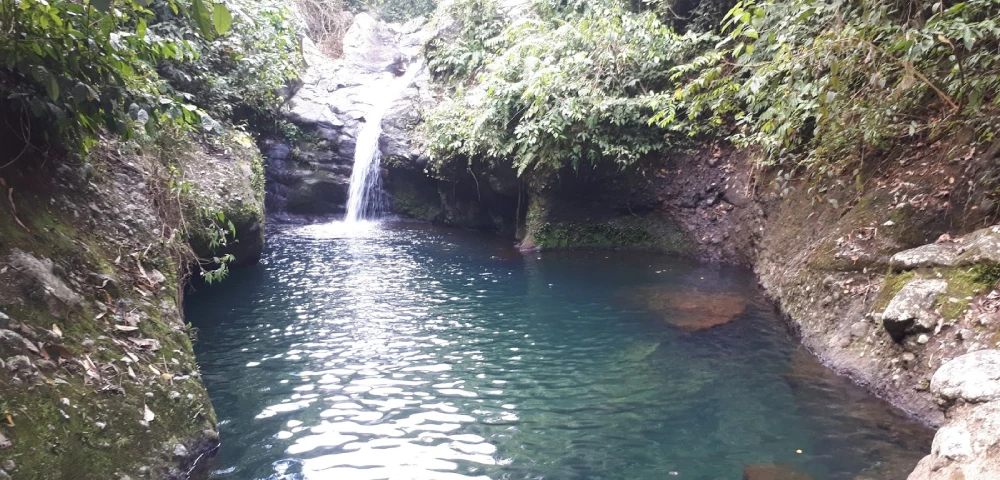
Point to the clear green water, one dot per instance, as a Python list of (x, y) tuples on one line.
[(407, 351)]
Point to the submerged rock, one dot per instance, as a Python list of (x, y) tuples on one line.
[(774, 472), (911, 309), (691, 310), (973, 377)]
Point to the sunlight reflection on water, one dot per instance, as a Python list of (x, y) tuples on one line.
[(367, 351)]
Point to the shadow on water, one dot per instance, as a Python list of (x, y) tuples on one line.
[(411, 351)]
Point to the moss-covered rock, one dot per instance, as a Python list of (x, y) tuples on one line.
[(591, 235), (99, 377), (223, 183), (409, 201)]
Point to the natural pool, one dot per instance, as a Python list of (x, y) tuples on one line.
[(405, 351)]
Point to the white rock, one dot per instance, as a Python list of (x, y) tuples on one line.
[(911, 308), (973, 377)]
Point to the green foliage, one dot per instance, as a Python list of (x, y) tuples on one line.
[(85, 66), (461, 58), (402, 10), (819, 82), (242, 70), (813, 84), (567, 90), (394, 10)]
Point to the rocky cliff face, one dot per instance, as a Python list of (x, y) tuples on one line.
[(310, 174), (99, 378)]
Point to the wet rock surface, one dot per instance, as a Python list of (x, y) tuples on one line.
[(311, 175)]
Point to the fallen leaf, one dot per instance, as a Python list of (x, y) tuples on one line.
[(90, 368), (56, 331), (132, 319), (30, 346), (151, 367), (125, 328), (147, 343), (131, 373), (157, 277), (147, 414), (142, 271), (26, 330)]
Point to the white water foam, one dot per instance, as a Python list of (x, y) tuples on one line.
[(365, 200)]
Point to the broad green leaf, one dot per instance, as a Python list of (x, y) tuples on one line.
[(52, 87), (222, 19), (203, 18)]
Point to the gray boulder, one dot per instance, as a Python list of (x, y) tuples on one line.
[(973, 378), (337, 98), (37, 276), (981, 246), (910, 310), (965, 448)]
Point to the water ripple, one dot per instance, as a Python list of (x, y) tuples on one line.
[(409, 352)]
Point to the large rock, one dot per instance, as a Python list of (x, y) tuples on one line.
[(911, 309), (90, 271), (229, 181), (966, 448), (337, 98), (973, 377), (37, 275), (981, 246)]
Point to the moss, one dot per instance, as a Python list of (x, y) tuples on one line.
[(591, 234), (409, 203), (891, 285), (964, 283), (66, 425)]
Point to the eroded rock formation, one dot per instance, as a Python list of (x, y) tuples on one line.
[(311, 174)]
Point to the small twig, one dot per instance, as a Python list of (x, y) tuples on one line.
[(10, 198), (478, 194), (195, 464)]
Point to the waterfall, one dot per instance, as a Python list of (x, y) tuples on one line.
[(364, 200)]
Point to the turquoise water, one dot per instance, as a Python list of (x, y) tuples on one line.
[(406, 351)]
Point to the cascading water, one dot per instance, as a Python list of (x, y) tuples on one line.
[(364, 199)]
